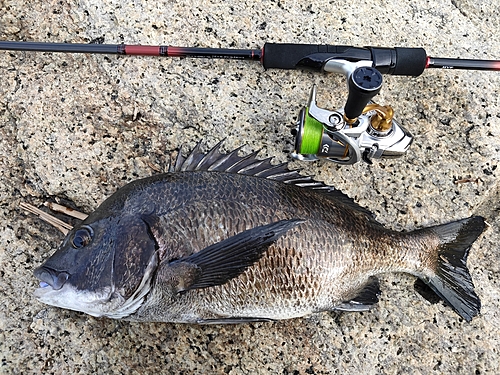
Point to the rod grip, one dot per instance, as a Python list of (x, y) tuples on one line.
[(311, 56), (410, 61), (396, 61)]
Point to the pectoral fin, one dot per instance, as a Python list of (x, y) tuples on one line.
[(220, 262)]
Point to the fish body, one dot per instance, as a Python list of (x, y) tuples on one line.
[(229, 239)]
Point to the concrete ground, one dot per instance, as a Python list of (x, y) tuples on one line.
[(74, 128)]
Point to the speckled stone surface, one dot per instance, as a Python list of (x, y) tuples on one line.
[(77, 127)]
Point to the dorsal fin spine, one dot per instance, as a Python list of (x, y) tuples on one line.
[(249, 165)]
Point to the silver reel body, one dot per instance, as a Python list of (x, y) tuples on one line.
[(343, 143), (362, 130)]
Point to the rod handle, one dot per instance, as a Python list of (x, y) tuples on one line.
[(395, 61)]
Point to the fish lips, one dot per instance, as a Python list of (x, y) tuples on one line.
[(57, 290), (49, 276)]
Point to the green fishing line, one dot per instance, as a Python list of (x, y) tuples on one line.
[(311, 138)]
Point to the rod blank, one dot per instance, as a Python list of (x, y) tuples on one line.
[(468, 64), (138, 50)]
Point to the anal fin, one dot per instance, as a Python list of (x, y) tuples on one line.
[(366, 298), (234, 320)]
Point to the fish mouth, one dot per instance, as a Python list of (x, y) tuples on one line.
[(50, 277)]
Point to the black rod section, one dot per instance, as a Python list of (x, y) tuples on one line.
[(138, 50), (467, 64), (60, 47)]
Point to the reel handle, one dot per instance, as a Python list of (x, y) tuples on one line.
[(364, 83)]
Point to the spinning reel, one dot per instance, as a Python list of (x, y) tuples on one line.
[(362, 130)]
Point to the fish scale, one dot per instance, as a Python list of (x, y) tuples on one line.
[(229, 239)]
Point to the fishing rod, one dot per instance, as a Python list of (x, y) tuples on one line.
[(396, 61), (361, 130)]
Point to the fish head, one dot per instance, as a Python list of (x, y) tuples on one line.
[(104, 267)]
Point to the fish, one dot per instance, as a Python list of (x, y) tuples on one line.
[(224, 238)]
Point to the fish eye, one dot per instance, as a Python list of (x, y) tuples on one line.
[(82, 237)]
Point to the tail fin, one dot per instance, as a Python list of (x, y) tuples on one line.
[(452, 281)]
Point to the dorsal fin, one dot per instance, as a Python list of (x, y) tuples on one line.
[(250, 165)]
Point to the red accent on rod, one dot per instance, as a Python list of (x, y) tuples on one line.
[(142, 50), (176, 51), (427, 62)]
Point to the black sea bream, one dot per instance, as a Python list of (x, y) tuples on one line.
[(224, 239)]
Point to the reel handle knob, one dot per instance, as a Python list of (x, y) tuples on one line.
[(364, 83)]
